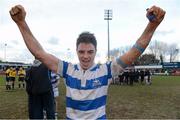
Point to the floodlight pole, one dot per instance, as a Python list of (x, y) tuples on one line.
[(5, 45), (108, 16)]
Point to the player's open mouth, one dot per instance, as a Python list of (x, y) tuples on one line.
[(85, 61)]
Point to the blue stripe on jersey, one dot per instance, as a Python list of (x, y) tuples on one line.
[(68, 118), (95, 68), (65, 66), (90, 84), (54, 81), (76, 67), (109, 70), (86, 104), (102, 117)]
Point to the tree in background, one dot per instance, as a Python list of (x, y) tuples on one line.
[(158, 49), (158, 52), (146, 59), (173, 52)]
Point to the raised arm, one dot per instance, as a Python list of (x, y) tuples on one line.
[(18, 14), (141, 44)]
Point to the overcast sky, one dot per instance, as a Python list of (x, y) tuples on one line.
[(57, 23)]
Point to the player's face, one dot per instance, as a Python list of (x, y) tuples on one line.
[(86, 53)]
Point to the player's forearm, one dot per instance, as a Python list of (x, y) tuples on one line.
[(139, 47), (30, 41), (36, 49), (146, 36)]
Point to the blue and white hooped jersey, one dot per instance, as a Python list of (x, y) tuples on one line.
[(55, 81), (86, 91)]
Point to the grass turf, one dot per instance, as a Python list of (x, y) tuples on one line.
[(161, 100)]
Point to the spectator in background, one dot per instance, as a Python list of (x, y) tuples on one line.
[(40, 92), (8, 83), (148, 77), (121, 78), (21, 79), (131, 76), (136, 76), (142, 76), (12, 76), (126, 75)]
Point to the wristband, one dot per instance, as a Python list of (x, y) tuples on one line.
[(121, 63), (139, 48), (151, 16)]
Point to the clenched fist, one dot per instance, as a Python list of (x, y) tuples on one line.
[(157, 12), (18, 13)]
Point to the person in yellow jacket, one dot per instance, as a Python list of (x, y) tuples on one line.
[(12, 76), (21, 75), (8, 85)]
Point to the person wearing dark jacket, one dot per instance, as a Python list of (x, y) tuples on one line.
[(40, 92)]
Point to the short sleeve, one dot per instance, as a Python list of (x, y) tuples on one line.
[(116, 69), (62, 68)]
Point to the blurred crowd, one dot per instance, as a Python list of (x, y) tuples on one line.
[(131, 76)]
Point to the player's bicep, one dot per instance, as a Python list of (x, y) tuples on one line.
[(50, 61)]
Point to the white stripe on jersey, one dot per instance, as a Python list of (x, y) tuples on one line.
[(92, 94), (91, 114), (55, 82)]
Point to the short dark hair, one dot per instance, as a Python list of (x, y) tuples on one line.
[(86, 37)]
